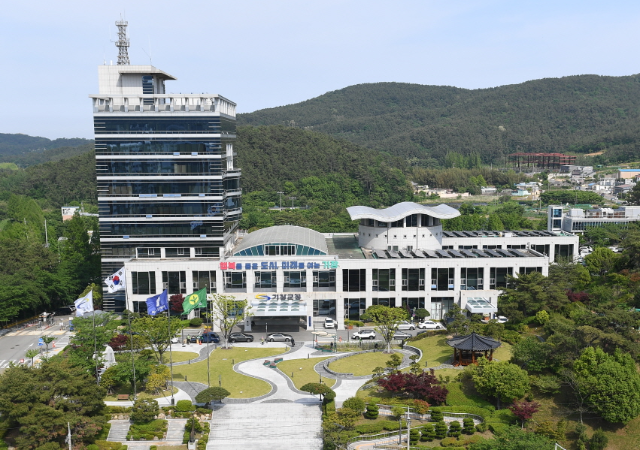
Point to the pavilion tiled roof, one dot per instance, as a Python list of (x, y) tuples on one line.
[(474, 341)]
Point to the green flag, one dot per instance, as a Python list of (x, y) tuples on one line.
[(196, 300)]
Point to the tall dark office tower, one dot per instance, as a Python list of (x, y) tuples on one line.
[(167, 183)]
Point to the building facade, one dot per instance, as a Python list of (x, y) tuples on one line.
[(577, 220), (167, 183), (400, 257)]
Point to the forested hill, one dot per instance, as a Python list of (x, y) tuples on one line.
[(273, 158), (25, 150), (580, 114)]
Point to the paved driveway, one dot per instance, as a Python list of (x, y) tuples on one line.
[(266, 426)]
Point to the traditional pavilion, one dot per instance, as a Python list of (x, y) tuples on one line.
[(467, 349)]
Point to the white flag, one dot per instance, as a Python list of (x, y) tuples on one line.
[(116, 281), (84, 305)]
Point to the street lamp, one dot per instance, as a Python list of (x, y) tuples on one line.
[(292, 199), (280, 192)]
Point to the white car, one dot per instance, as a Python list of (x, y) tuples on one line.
[(329, 323), (502, 319), (431, 325), (404, 325), (364, 334)]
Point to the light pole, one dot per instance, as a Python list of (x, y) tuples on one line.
[(280, 192), (292, 199)]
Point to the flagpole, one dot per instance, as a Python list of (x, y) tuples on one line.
[(95, 348), (69, 435), (133, 365), (170, 354)]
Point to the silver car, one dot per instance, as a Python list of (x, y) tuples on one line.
[(404, 325), (279, 337)]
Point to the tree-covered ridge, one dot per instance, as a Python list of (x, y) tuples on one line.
[(47, 155), (20, 144), (317, 167), (580, 114)]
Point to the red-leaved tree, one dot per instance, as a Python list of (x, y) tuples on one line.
[(582, 297), (119, 342), (175, 303), (524, 410), (422, 386)]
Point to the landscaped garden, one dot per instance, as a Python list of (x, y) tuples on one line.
[(301, 371), (360, 364), (179, 356), (221, 371)]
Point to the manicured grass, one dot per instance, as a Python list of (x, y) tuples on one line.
[(307, 374), (361, 364), (179, 356), (435, 350), (221, 368), (504, 352), (140, 393)]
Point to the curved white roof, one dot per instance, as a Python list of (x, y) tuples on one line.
[(401, 210), (284, 234)]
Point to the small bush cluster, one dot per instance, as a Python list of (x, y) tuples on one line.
[(428, 433), (185, 405), (202, 442), (187, 429), (147, 431), (372, 411), (196, 322), (104, 445)]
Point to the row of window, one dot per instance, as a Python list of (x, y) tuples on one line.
[(383, 280), (159, 188), (185, 208), (158, 166), (213, 125), (190, 228), (414, 220)]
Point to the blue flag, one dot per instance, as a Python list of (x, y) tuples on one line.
[(158, 303)]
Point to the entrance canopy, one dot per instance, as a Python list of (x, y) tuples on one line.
[(278, 305), (479, 305)]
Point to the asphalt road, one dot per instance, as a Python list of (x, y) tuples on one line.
[(15, 344)]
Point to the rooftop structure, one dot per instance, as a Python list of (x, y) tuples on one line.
[(541, 160)]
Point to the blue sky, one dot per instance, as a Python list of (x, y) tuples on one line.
[(262, 54)]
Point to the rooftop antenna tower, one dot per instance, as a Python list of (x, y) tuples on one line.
[(122, 43)]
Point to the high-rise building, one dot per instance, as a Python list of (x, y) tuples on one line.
[(167, 183)]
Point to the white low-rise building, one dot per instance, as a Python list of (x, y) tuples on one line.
[(400, 257)]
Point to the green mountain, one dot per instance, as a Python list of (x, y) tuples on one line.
[(24, 150), (577, 114)]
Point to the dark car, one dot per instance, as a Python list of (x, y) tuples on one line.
[(279, 337), (400, 335), (240, 337), (64, 311), (193, 339), (210, 337)]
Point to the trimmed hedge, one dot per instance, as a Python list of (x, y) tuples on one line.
[(497, 428), (185, 405), (104, 445), (450, 442), (196, 322), (202, 442)]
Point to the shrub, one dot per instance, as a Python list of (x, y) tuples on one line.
[(392, 425), (93, 447), (397, 411), (421, 406), (428, 433), (468, 427), (441, 430), (436, 415), (185, 405), (355, 323), (599, 440), (450, 441), (414, 436), (355, 404), (196, 322), (497, 428), (144, 410), (372, 411), (481, 427), (511, 336), (370, 428), (455, 429)]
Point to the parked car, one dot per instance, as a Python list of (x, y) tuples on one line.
[(431, 325), (175, 340), (209, 337), (404, 325), (502, 319), (364, 334), (193, 339), (400, 335), (279, 337), (329, 323), (240, 337), (64, 311)]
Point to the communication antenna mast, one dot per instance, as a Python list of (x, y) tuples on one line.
[(122, 43)]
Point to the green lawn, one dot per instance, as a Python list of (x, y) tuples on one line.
[(221, 368), (361, 364), (179, 356), (435, 350), (303, 372)]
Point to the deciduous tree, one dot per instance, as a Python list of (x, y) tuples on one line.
[(386, 320), (502, 380), (228, 312)]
